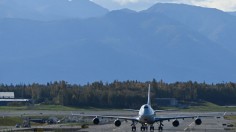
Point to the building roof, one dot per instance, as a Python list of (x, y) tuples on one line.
[(7, 94)]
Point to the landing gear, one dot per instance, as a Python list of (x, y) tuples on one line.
[(160, 128), (151, 128), (144, 127), (133, 126)]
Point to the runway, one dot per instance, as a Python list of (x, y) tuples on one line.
[(209, 124)]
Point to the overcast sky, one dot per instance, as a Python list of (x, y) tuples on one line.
[(225, 5)]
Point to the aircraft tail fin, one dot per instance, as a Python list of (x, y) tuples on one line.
[(149, 101)]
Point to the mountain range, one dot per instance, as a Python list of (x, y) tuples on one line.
[(173, 42), (233, 13), (47, 10)]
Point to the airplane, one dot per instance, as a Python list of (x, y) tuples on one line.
[(51, 120), (146, 117)]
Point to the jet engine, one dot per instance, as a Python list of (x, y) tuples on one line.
[(117, 123), (198, 121), (96, 121), (175, 123)]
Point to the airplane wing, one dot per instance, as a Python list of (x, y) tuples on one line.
[(108, 116), (157, 119), (165, 110), (131, 110), (38, 120), (160, 110)]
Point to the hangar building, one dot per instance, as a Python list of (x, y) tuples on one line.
[(7, 97)]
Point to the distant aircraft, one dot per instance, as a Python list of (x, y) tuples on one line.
[(51, 120), (146, 116)]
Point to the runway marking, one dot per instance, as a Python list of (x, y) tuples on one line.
[(185, 129)]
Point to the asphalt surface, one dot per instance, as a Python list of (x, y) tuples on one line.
[(209, 124)]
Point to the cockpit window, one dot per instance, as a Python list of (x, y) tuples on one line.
[(145, 107)]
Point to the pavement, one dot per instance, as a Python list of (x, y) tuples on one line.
[(209, 124)]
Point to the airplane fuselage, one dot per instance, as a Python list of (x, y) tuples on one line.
[(146, 114)]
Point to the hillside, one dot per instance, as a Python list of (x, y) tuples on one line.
[(216, 25), (121, 45), (46, 10), (232, 13)]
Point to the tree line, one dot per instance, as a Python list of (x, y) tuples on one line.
[(121, 94)]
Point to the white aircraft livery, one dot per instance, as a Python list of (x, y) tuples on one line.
[(146, 117)]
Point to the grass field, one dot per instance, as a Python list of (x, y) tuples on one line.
[(10, 121), (231, 117), (38, 107), (205, 106)]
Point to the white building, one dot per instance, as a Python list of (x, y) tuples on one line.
[(7, 95)]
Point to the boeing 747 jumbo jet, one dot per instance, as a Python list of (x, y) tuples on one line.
[(146, 116)]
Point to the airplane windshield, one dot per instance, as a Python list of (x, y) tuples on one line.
[(145, 106)]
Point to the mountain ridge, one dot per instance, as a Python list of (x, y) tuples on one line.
[(121, 45), (47, 10), (219, 28)]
